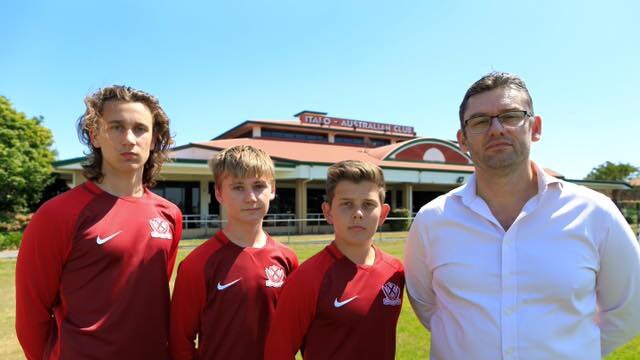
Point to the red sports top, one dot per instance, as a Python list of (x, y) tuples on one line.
[(226, 295), (92, 278), (334, 309)]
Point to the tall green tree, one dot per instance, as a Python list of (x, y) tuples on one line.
[(611, 171), (26, 160)]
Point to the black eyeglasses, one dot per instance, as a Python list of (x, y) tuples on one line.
[(510, 119)]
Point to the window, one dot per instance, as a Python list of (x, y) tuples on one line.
[(380, 142), (284, 202), (422, 197), (293, 135), (282, 208), (186, 195), (399, 199), (340, 139), (315, 198)]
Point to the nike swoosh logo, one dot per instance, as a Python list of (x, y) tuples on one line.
[(338, 304), (222, 287), (100, 241)]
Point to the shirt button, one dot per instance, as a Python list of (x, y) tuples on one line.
[(509, 352), (508, 311)]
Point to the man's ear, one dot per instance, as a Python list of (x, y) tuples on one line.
[(326, 210), (536, 128), (273, 191), (462, 141), (384, 212), (217, 193)]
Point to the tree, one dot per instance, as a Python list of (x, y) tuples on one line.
[(56, 187), (26, 160), (611, 171)]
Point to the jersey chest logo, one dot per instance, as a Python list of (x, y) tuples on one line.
[(338, 304), (160, 228), (391, 294), (101, 241), (221, 286), (275, 276)]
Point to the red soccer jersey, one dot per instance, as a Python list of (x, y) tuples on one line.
[(92, 277), (331, 308), (226, 295)]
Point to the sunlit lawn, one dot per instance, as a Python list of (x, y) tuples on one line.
[(412, 338)]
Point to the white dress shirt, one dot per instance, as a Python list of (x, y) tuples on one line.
[(562, 283)]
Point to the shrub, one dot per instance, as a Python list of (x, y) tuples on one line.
[(400, 225), (10, 240), (14, 222), (630, 214)]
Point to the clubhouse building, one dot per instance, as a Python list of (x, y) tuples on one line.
[(416, 169)]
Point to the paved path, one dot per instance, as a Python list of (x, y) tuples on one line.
[(8, 254)]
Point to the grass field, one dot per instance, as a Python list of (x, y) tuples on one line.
[(413, 340)]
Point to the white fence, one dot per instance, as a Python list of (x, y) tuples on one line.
[(202, 226)]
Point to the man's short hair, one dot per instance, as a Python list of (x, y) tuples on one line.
[(355, 171), (88, 124), (494, 80), (241, 162)]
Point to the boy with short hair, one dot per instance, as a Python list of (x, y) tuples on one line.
[(226, 289), (344, 302)]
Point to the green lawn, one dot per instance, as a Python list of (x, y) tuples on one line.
[(413, 340), (9, 348)]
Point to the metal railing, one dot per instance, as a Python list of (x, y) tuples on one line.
[(286, 225), (195, 221)]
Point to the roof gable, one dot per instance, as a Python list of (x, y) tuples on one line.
[(428, 150)]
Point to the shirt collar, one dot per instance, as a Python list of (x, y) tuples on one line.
[(545, 180), (468, 194)]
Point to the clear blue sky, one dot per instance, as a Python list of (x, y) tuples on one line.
[(215, 64)]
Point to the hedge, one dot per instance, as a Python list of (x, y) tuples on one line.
[(10, 240)]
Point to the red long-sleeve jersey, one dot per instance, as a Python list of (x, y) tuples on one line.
[(332, 308), (226, 295), (92, 276)]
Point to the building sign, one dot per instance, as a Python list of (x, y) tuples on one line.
[(322, 120)]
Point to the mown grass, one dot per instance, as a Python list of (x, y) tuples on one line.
[(413, 339), (9, 348)]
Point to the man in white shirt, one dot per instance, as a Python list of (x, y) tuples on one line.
[(517, 264)]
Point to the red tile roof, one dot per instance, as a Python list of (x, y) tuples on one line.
[(329, 154), (297, 125)]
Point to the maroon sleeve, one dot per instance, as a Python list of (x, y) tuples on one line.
[(186, 306), (294, 313), (45, 245), (177, 235)]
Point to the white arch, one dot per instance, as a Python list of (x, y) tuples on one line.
[(433, 154)]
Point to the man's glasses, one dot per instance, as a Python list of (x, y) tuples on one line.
[(511, 119)]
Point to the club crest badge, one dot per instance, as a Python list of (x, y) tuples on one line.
[(160, 228), (275, 276), (391, 294)]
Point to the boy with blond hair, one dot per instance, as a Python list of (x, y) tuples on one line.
[(344, 302), (226, 289)]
